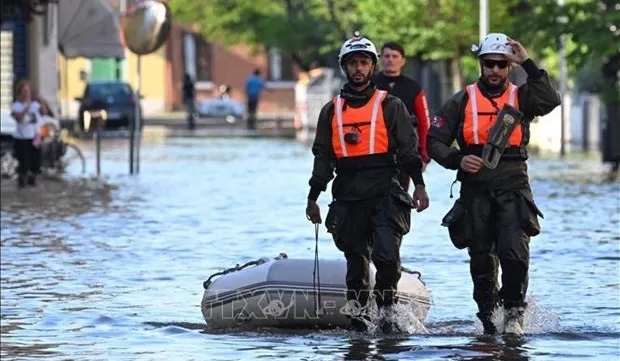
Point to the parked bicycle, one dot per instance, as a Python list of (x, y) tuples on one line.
[(57, 153)]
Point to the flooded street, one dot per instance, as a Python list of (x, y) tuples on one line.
[(112, 269)]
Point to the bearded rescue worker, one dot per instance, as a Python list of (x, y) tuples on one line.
[(495, 215), (363, 134)]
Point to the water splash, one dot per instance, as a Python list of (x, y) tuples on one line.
[(536, 319), (407, 319)]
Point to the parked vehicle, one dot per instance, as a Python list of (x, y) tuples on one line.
[(116, 98), (222, 106)]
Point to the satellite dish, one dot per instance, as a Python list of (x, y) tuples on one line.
[(147, 26)]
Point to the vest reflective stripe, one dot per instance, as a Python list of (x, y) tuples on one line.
[(371, 115), (373, 120), (478, 120), (340, 128), (474, 104)]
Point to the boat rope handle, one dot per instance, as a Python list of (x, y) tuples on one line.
[(238, 267), (407, 270), (208, 282)]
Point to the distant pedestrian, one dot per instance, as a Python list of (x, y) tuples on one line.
[(27, 113), (189, 100), (254, 85)]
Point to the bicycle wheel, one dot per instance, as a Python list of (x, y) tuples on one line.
[(8, 166), (72, 155)]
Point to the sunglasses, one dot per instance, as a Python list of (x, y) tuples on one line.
[(490, 64)]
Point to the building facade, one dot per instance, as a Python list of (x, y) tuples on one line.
[(212, 64)]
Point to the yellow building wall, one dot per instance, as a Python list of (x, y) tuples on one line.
[(153, 73), (71, 85)]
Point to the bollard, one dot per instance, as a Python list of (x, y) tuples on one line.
[(96, 119), (98, 149), (131, 146), (138, 141)]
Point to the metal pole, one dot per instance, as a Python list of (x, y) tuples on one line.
[(138, 115), (66, 113), (563, 72), (484, 18), (131, 145)]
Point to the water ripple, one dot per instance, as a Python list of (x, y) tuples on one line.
[(112, 268)]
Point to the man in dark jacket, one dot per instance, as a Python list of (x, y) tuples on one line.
[(409, 91), (495, 215), (363, 134)]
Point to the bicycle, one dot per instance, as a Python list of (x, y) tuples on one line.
[(56, 153)]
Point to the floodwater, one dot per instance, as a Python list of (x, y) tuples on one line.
[(112, 269)]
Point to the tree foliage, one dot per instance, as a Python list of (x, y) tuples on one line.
[(307, 30), (432, 29), (592, 33)]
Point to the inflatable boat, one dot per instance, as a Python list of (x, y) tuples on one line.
[(288, 293)]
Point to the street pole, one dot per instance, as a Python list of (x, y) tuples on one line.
[(134, 127), (139, 115), (563, 75), (484, 18)]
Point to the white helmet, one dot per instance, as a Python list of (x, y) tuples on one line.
[(494, 43), (356, 44)]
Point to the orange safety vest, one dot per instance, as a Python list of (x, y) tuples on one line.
[(480, 115), (369, 122)]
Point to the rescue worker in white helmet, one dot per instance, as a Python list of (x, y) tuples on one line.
[(495, 215), (364, 134)]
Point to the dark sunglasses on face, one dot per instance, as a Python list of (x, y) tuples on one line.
[(490, 64)]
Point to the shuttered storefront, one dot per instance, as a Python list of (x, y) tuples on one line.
[(13, 58), (6, 69)]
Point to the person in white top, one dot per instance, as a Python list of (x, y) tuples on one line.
[(27, 113)]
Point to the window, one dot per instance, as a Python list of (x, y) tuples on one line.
[(197, 56), (108, 91), (203, 60), (189, 52), (280, 65)]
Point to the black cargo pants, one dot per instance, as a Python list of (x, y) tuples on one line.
[(371, 230), (501, 226), (28, 157)]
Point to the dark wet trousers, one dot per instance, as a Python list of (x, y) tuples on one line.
[(502, 223), (252, 108), (28, 159), (191, 113), (371, 230)]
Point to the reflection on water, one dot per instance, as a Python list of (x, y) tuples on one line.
[(112, 269)]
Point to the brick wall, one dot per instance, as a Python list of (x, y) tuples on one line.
[(229, 65)]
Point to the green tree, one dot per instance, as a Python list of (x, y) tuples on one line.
[(592, 30), (306, 30), (432, 29)]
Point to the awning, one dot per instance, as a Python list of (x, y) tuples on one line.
[(89, 29)]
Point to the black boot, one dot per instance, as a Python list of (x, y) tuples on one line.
[(21, 181), (359, 324), (513, 320), (388, 320), (487, 323), (388, 327), (32, 180)]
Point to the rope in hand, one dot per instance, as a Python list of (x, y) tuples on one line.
[(316, 274)]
